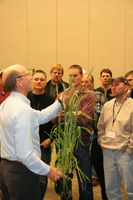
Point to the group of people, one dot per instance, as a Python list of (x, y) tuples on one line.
[(25, 125)]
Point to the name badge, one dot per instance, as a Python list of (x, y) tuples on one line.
[(111, 134)]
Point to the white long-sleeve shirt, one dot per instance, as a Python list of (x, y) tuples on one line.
[(19, 131)]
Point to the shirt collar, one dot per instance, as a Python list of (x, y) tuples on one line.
[(21, 96)]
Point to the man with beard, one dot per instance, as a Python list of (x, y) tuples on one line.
[(56, 84), (115, 135)]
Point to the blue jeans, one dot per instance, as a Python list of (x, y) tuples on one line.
[(83, 155), (118, 166)]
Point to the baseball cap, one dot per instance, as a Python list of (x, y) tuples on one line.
[(120, 79)]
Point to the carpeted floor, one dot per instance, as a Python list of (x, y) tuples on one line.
[(51, 195)]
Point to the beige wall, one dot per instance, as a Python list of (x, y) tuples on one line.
[(91, 33)]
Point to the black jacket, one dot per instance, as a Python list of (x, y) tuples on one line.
[(39, 102), (53, 90)]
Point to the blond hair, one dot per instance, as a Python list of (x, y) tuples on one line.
[(57, 67)]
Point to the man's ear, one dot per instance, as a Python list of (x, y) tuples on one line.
[(19, 82), (127, 87)]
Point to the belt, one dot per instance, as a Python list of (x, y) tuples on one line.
[(13, 161)]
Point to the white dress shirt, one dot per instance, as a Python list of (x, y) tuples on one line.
[(19, 131)]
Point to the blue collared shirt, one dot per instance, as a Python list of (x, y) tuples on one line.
[(19, 131)]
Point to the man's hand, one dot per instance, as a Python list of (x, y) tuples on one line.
[(54, 174), (46, 143)]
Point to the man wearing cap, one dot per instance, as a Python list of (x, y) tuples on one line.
[(115, 135)]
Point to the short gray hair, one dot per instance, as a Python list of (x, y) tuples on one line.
[(10, 82)]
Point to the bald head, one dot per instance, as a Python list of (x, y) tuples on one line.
[(10, 75), (9, 70), (12, 78)]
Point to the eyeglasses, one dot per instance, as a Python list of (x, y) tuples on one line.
[(57, 73), (24, 75)]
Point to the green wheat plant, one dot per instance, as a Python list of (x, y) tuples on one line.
[(66, 136)]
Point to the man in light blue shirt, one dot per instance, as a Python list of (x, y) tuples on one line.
[(20, 146)]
